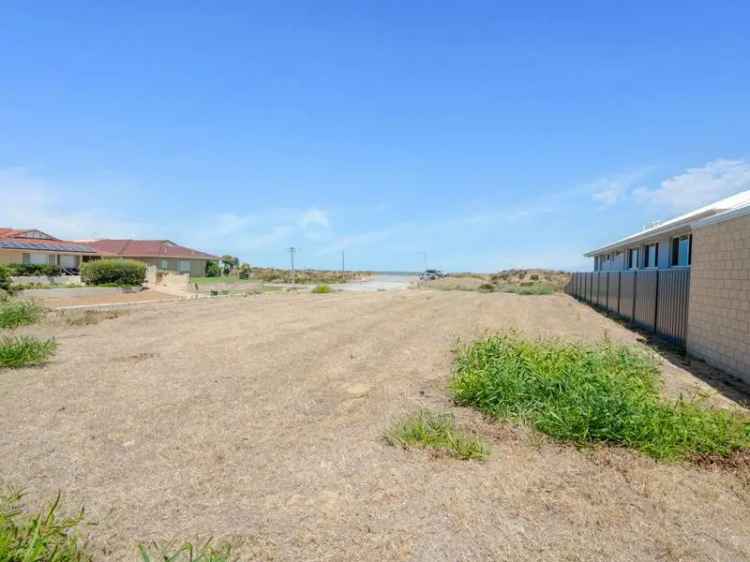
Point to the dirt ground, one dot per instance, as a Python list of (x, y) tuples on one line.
[(260, 420), (149, 295)]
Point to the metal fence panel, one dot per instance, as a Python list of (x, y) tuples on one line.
[(673, 298), (654, 300), (645, 302), (627, 294)]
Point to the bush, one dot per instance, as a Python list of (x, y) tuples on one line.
[(589, 394), (28, 269), (435, 431), (19, 313), (5, 281), (43, 537), (25, 351), (213, 269), (321, 289), (244, 271), (486, 288), (119, 272)]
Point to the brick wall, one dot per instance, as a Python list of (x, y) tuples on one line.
[(719, 317)]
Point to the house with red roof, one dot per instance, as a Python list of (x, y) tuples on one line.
[(34, 247), (165, 255)]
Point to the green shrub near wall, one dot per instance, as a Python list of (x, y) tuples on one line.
[(120, 272), (4, 278), (26, 269)]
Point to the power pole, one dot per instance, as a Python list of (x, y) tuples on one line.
[(343, 264), (291, 256), (424, 256)]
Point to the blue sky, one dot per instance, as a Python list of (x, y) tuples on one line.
[(487, 134)]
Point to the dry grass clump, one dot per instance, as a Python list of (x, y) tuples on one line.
[(89, 317), (321, 289), (435, 431), (185, 553), (14, 314), (24, 351), (591, 394), (40, 537)]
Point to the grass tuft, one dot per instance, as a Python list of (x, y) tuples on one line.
[(19, 313), (435, 431), (322, 289), (185, 553), (43, 537), (591, 394), (530, 288), (24, 351)]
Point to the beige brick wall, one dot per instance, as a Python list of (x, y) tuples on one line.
[(719, 317)]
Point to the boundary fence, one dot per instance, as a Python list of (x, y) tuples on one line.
[(654, 300)]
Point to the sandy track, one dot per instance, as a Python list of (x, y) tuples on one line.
[(261, 418)]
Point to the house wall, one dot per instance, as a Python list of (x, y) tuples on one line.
[(719, 314), (197, 267), (620, 263), (16, 256)]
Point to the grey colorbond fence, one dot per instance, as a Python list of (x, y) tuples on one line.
[(655, 300)]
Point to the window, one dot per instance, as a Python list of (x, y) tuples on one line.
[(681, 251), (651, 255), (39, 259), (164, 264), (634, 255), (185, 266)]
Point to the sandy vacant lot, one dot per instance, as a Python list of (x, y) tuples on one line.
[(260, 419)]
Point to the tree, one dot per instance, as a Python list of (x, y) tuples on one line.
[(229, 263), (213, 269)]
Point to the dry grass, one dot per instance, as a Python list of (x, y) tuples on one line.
[(263, 419)]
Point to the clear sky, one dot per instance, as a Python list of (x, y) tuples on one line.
[(487, 134)]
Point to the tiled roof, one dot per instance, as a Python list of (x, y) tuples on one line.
[(148, 249)]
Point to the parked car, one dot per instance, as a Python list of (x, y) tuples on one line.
[(431, 274)]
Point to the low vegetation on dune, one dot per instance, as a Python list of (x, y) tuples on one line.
[(591, 394), (517, 281), (24, 351), (14, 314), (305, 276), (437, 431)]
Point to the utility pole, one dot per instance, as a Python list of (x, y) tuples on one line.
[(291, 256), (424, 256), (343, 264)]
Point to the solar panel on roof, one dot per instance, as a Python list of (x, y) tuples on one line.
[(57, 247)]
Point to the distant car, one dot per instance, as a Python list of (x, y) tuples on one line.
[(431, 275)]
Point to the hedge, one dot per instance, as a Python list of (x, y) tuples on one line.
[(120, 272), (5, 281), (26, 269)]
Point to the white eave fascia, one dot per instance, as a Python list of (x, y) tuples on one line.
[(640, 237), (721, 217)]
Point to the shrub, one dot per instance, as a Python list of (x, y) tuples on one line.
[(486, 288), (213, 269), (43, 537), (322, 289), (588, 394), (27, 269), (19, 313), (435, 431), (5, 281), (120, 272), (25, 351), (244, 271)]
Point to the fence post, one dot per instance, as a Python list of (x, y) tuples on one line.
[(635, 294), (619, 291)]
